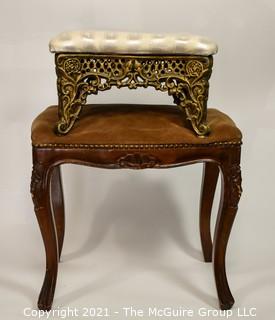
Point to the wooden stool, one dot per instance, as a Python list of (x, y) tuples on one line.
[(136, 137)]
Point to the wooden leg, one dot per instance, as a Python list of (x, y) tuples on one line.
[(58, 206), (40, 189), (209, 183), (231, 193)]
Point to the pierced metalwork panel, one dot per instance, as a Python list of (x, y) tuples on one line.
[(183, 77)]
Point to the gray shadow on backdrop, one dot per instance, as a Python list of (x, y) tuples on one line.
[(141, 214), (142, 217), (24, 289)]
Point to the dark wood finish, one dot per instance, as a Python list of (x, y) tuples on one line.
[(209, 183), (40, 189), (58, 206), (230, 196), (226, 157)]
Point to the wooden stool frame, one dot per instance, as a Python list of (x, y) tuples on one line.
[(46, 189)]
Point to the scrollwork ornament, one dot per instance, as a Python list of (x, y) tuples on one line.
[(185, 78), (37, 184), (137, 161), (236, 183), (194, 68)]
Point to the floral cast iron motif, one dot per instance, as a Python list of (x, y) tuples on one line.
[(183, 77)]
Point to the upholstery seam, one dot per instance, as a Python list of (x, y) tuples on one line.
[(137, 146)]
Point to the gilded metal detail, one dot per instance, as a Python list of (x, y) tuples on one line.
[(183, 77)]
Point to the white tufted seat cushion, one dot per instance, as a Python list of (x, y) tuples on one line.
[(132, 43)]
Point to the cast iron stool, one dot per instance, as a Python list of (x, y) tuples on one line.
[(136, 137)]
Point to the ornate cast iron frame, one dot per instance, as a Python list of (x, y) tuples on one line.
[(185, 78)]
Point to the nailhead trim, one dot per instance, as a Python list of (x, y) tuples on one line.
[(137, 146)]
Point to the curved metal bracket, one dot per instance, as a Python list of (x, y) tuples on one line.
[(183, 77)]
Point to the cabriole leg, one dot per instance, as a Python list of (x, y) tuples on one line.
[(231, 193), (40, 189), (209, 183), (58, 206)]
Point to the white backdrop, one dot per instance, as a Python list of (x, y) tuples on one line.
[(126, 229)]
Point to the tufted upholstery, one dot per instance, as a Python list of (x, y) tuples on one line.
[(132, 43), (117, 124)]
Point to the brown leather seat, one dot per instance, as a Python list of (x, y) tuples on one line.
[(122, 124)]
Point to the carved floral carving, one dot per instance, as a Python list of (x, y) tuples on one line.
[(236, 185), (37, 185), (138, 161), (233, 179)]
